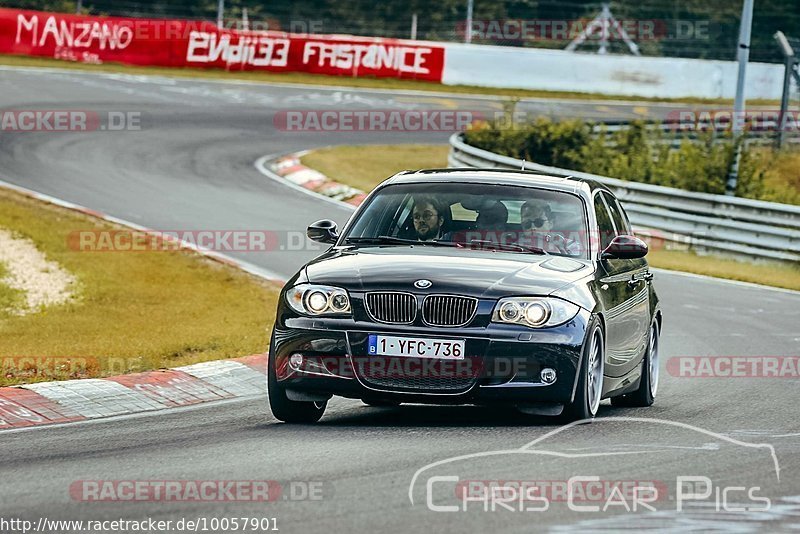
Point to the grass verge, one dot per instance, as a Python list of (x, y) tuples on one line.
[(781, 175), (134, 311), (10, 299), (768, 274), (363, 82), (366, 166)]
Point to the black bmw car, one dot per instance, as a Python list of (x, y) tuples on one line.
[(471, 287)]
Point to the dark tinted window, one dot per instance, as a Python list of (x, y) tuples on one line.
[(617, 215), (604, 224)]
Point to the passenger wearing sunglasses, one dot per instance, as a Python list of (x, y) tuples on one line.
[(537, 223)]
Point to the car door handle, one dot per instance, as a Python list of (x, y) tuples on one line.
[(647, 276)]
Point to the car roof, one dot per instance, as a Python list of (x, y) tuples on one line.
[(570, 184)]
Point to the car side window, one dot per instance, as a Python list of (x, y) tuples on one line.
[(617, 215), (625, 217), (604, 223)]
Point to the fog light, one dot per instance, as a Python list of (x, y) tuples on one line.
[(548, 375), (296, 361)]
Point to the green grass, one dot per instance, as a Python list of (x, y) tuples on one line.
[(768, 274), (10, 299), (781, 175), (363, 82), (134, 311), (365, 167)]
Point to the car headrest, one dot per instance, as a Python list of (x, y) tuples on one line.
[(492, 213)]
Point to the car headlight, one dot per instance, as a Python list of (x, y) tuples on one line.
[(312, 299), (536, 312)]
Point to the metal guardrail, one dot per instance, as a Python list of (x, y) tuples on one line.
[(675, 132), (737, 227)]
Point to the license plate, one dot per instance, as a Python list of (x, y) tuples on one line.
[(415, 347)]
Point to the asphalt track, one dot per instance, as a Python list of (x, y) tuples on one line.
[(191, 166)]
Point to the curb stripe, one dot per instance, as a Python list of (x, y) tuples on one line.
[(234, 378), (94, 397), (45, 403), (269, 166), (20, 408), (171, 388)]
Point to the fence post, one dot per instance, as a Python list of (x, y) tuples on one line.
[(788, 54), (220, 14), (743, 54)]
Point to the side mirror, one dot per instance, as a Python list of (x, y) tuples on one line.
[(323, 231), (625, 247)]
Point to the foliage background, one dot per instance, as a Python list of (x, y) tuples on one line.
[(444, 19), (642, 155)]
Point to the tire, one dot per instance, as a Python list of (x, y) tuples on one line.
[(285, 409), (589, 390), (381, 403), (645, 395)]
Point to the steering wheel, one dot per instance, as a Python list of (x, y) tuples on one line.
[(561, 243)]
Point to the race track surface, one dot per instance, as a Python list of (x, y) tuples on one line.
[(191, 167)]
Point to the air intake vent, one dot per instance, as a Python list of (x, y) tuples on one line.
[(448, 310), (392, 307)]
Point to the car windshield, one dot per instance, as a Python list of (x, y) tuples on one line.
[(524, 220)]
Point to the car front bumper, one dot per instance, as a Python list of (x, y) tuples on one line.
[(502, 363)]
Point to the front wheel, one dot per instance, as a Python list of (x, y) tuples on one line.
[(285, 409), (648, 384), (589, 390)]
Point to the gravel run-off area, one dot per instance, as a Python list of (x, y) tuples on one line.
[(44, 282)]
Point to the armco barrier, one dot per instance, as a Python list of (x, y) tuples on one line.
[(737, 227), (182, 43), (674, 132)]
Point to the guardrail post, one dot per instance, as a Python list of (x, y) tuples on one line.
[(790, 60)]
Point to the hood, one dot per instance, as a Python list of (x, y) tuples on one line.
[(484, 274)]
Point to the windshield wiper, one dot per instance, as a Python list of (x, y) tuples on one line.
[(492, 245), (389, 240)]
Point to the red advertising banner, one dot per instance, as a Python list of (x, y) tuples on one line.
[(181, 43)]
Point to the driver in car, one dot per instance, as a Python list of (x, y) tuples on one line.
[(537, 222), (428, 218)]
